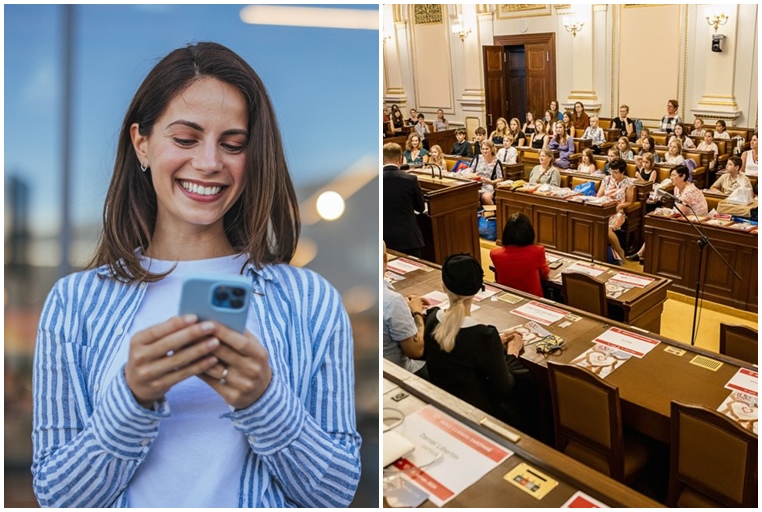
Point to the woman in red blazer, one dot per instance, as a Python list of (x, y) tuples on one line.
[(519, 263)]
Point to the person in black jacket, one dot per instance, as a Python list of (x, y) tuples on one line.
[(470, 360), (462, 147), (403, 198)]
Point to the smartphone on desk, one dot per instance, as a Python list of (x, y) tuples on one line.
[(556, 264), (224, 299)]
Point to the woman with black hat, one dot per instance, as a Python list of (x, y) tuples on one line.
[(465, 358)]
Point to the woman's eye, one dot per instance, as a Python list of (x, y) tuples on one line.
[(234, 148), (184, 142)]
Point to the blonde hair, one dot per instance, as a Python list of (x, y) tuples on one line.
[(549, 154), (446, 332), (441, 153), (408, 145), (489, 144), (649, 157), (499, 133), (679, 146)]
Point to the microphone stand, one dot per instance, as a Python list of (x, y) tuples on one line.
[(432, 169), (702, 242)]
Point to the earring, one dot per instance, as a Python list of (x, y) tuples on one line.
[(143, 167)]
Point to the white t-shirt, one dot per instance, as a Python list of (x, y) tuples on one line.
[(197, 458)]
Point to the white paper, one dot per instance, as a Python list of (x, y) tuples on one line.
[(486, 293), (466, 455), (741, 408), (539, 312), (551, 257), (626, 279), (744, 381), (440, 300), (627, 341), (403, 266), (601, 360), (584, 268)]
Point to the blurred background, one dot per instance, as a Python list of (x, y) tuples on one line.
[(70, 73)]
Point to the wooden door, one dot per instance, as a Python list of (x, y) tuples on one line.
[(494, 84), (540, 64), (538, 85)]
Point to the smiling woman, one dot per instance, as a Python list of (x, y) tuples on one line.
[(200, 185)]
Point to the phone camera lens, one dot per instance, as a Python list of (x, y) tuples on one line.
[(238, 292), (236, 303), (221, 294)]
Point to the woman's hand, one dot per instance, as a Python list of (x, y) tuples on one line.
[(416, 303), (513, 342), (244, 372), (167, 353)]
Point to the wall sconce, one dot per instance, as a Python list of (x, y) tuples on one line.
[(459, 29), (573, 26), (715, 17)]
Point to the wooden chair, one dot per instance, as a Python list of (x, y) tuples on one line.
[(739, 341), (584, 292), (713, 460), (588, 423)]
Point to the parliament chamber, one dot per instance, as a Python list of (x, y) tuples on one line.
[(661, 353)]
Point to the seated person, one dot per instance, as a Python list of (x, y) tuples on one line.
[(672, 119), (403, 328), (519, 263), (587, 164), (708, 145), (467, 359), (698, 128), (508, 154), (620, 188), (674, 155), (519, 138), (545, 172), (645, 171), (624, 151), (595, 133), (579, 117), (720, 130), (414, 153), (501, 130), (480, 134), (564, 144), (566, 118), (732, 179), (529, 125), (644, 134), (679, 133), (413, 119), (647, 145), (440, 124), (612, 153), (489, 169), (693, 199), (750, 157), (421, 128), (540, 137), (462, 147), (624, 124), (436, 157)]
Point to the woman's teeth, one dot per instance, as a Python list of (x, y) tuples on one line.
[(196, 189)]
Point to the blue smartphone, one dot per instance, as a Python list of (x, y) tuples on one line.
[(224, 299)]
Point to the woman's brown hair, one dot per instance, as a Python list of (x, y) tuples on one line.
[(263, 223)]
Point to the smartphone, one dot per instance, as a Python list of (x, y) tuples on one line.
[(224, 299), (556, 264)]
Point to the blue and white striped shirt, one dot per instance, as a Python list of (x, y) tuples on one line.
[(304, 449)]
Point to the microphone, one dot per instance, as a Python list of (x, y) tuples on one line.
[(661, 193), (432, 164)]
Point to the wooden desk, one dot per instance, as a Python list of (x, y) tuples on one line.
[(409, 393), (575, 228), (672, 251), (449, 225), (646, 385), (641, 307), (445, 139)]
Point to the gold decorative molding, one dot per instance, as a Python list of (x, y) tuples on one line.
[(482, 8), (427, 14), (510, 11), (630, 6), (397, 13)]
